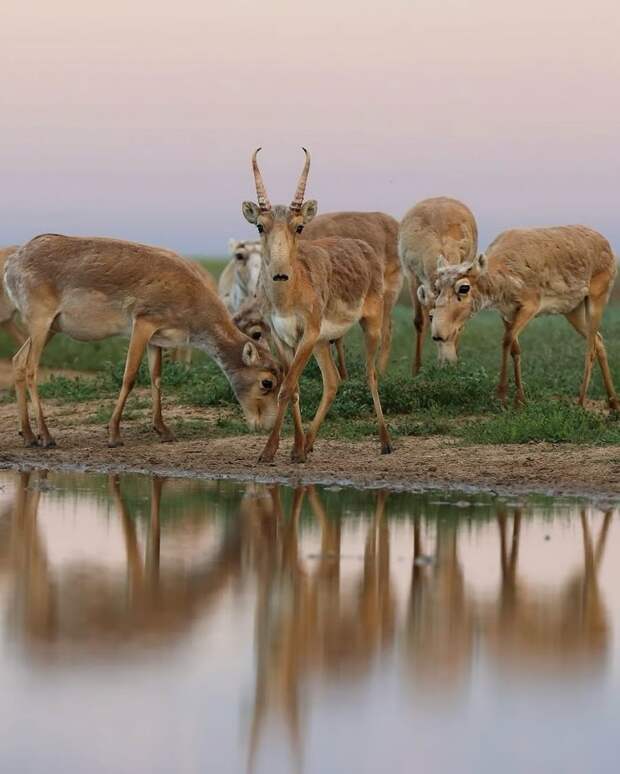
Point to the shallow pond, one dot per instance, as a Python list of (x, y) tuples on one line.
[(190, 626)]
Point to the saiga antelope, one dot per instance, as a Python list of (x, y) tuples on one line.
[(239, 279), (93, 288), (433, 232), (7, 308), (316, 291), (567, 270), (378, 230)]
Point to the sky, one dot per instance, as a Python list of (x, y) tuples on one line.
[(137, 119)]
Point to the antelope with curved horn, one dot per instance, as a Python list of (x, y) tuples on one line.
[(315, 292), (93, 288), (567, 270), (433, 233), (8, 312)]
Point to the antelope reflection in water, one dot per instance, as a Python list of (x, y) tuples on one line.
[(307, 623), (564, 629), (440, 615), (95, 608)]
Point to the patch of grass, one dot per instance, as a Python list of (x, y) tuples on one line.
[(75, 390), (551, 420)]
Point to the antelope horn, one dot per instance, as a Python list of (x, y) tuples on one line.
[(261, 191), (301, 185)]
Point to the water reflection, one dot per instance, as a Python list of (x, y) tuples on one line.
[(347, 591)]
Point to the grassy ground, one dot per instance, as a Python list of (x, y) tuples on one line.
[(457, 401)]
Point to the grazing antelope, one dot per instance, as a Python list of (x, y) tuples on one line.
[(316, 291), (92, 288), (380, 231), (435, 231), (7, 308), (239, 279), (566, 270)]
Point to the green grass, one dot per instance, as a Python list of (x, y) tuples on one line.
[(458, 401)]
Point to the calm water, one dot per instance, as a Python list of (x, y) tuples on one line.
[(185, 626)]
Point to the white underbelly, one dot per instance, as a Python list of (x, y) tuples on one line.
[(286, 328), (171, 337), (559, 304), (330, 330)]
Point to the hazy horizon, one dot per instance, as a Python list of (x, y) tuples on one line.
[(139, 122)]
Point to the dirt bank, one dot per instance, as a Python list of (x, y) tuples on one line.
[(416, 462)]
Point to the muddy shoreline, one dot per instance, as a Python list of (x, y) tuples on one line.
[(434, 463)]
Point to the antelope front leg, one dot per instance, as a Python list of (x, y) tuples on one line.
[(289, 389), (420, 322)]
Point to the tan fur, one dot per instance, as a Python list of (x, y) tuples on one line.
[(380, 231), (434, 228), (8, 312), (92, 288), (567, 270), (184, 354), (239, 280), (315, 291)]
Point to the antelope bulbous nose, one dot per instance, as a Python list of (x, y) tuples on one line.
[(280, 277), (438, 338)]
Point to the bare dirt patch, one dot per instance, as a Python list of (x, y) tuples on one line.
[(436, 462)]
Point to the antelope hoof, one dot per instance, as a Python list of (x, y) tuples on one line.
[(165, 435), (520, 401), (298, 455), (113, 443), (29, 441), (614, 404), (48, 443), (267, 455), (386, 447), (309, 447)]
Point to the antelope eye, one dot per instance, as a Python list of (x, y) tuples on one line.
[(463, 290), (299, 229), (266, 384), (260, 228), (256, 335)]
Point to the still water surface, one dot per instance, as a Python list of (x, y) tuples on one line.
[(193, 626)]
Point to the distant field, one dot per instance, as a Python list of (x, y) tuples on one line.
[(453, 401)]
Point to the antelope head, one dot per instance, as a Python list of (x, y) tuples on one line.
[(456, 300), (279, 226), (247, 257), (256, 381)]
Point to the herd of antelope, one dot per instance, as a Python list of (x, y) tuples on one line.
[(296, 292)]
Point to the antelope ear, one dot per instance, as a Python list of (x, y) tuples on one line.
[(479, 264), (441, 262), (250, 211), (250, 355), (231, 245), (422, 294), (309, 209)]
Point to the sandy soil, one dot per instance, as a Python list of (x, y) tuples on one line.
[(435, 462)]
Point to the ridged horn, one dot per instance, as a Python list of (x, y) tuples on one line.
[(298, 199), (261, 191)]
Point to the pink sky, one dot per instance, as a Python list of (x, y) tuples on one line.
[(137, 119)]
